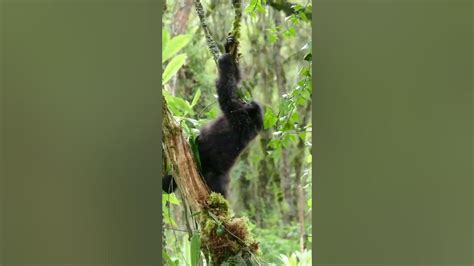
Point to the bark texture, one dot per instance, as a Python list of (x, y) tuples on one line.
[(178, 154)]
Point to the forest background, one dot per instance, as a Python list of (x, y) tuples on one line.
[(271, 182)]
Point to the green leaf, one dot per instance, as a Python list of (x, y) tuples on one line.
[(195, 248), (297, 7), (302, 135), (173, 66), (174, 45), (294, 118), (308, 57), (306, 94), (167, 259), (254, 7), (303, 16), (295, 20), (274, 144), (305, 71), (168, 219), (301, 101), (272, 35), (269, 119), (293, 260), (164, 40), (196, 98), (285, 106), (220, 230), (178, 106), (302, 82), (251, 7), (290, 32), (287, 139), (171, 198)]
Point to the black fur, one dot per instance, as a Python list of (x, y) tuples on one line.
[(221, 142)]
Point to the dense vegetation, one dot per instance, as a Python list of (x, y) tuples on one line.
[(271, 183)]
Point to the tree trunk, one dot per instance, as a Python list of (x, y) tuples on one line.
[(288, 209), (177, 154), (182, 9), (300, 155), (181, 16)]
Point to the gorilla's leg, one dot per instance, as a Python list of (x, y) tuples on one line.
[(168, 185)]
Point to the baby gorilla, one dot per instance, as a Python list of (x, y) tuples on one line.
[(221, 142)]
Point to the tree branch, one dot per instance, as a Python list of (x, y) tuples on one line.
[(213, 48), (287, 8), (178, 153)]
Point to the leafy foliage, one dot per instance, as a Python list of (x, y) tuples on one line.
[(172, 46), (173, 66), (255, 6)]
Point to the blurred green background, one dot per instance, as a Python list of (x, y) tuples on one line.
[(393, 133), (81, 147)]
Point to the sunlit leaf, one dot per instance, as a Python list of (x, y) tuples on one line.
[(274, 144), (301, 101), (297, 7), (173, 66), (167, 259), (178, 106), (288, 139), (196, 98), (305, 94), (167, 219), (285, 106), (290, 32), (295, 20), (252, 7), (269, 119), (174, 45), (272, 35), (165, 37), (302, 135), (171, 198), (294, 117), (303, 16), (305, 71), (195, 248)]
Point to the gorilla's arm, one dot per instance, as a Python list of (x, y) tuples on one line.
[(232, 107)]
